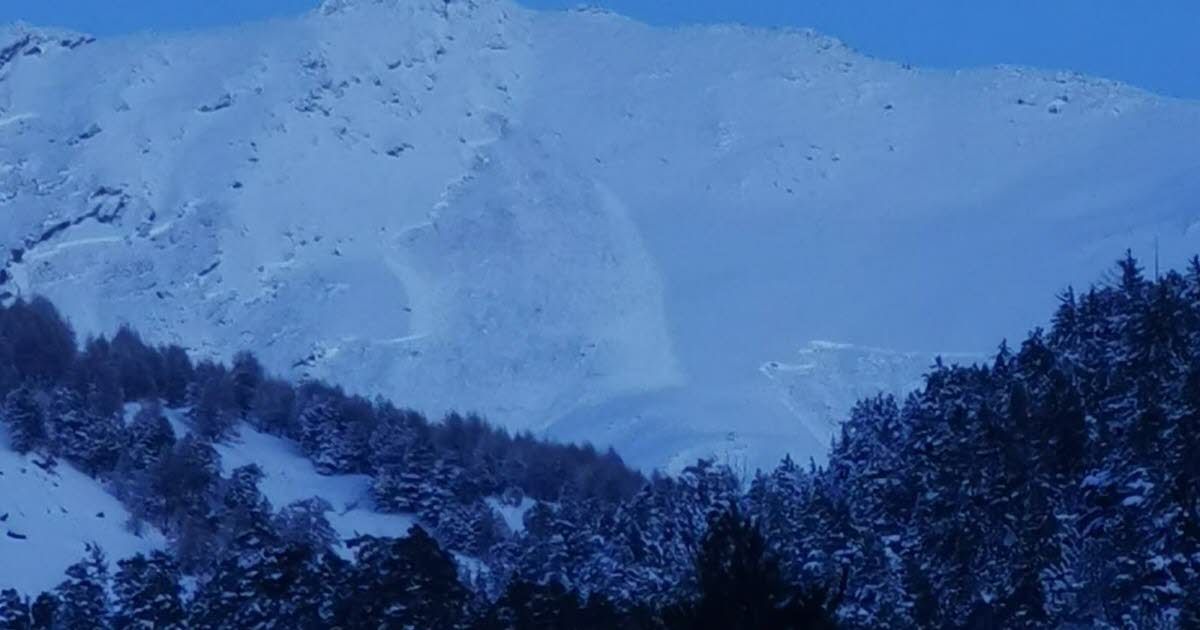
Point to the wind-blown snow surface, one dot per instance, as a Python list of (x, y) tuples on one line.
[(49, 515), (571, 222)]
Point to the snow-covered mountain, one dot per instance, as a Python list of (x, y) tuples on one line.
[(571, 222)]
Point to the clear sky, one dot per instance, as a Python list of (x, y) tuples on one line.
[(1153, 44)]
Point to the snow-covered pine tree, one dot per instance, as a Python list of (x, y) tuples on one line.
[(177, 375), (739, 584), (83, 596), (351, 450), (244, 513), (147, 593), (435, 597), (246, 375), (265, 582), (470, 528), (90, 439), (187, 481), (43, 612), (273, 408), (96, 379), (405, 583), (304, 523), (14, 610), (147, 437), (138, 367), (236, 592), (317, 423), (416, 484), (22, 413), (213, 412), (36, 344), (335, 431)]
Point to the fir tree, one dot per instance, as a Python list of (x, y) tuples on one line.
[(273, 407), (177, 375), (740, 586), (186, 478), (96, 379), (87, 438), (335, 432), (148, 436), (304, 523), (137, 366), (83, 597), (39, 344), (213, 409), (147, 593), (43, 612), (406, 582), (267, 583), (247, 375), (14, 611), (26, 422)]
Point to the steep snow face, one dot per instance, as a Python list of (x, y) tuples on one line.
[(571, 222), (49, 515)]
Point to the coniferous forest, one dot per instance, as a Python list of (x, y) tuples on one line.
[(1057, 485)]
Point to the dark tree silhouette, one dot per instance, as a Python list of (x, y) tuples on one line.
[(740, 585)]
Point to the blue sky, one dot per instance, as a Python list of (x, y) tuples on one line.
[(1153, 44)]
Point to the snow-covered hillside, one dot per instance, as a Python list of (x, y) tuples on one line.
[(817, 386), (289, 476), (822, 379), (48, 516), (571, 222)]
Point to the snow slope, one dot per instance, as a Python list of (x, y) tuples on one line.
[(824, 379), (571, 222), (47, 517), (289, 476), (817, 387)]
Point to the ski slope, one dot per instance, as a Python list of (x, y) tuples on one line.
[(571, 222)]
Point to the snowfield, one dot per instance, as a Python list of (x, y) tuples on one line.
[(48, 516), (289, 476), (572, 222)]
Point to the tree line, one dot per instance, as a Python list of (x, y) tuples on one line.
[(1054, 485), (410, 582), (69, 402), (258, 565)]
